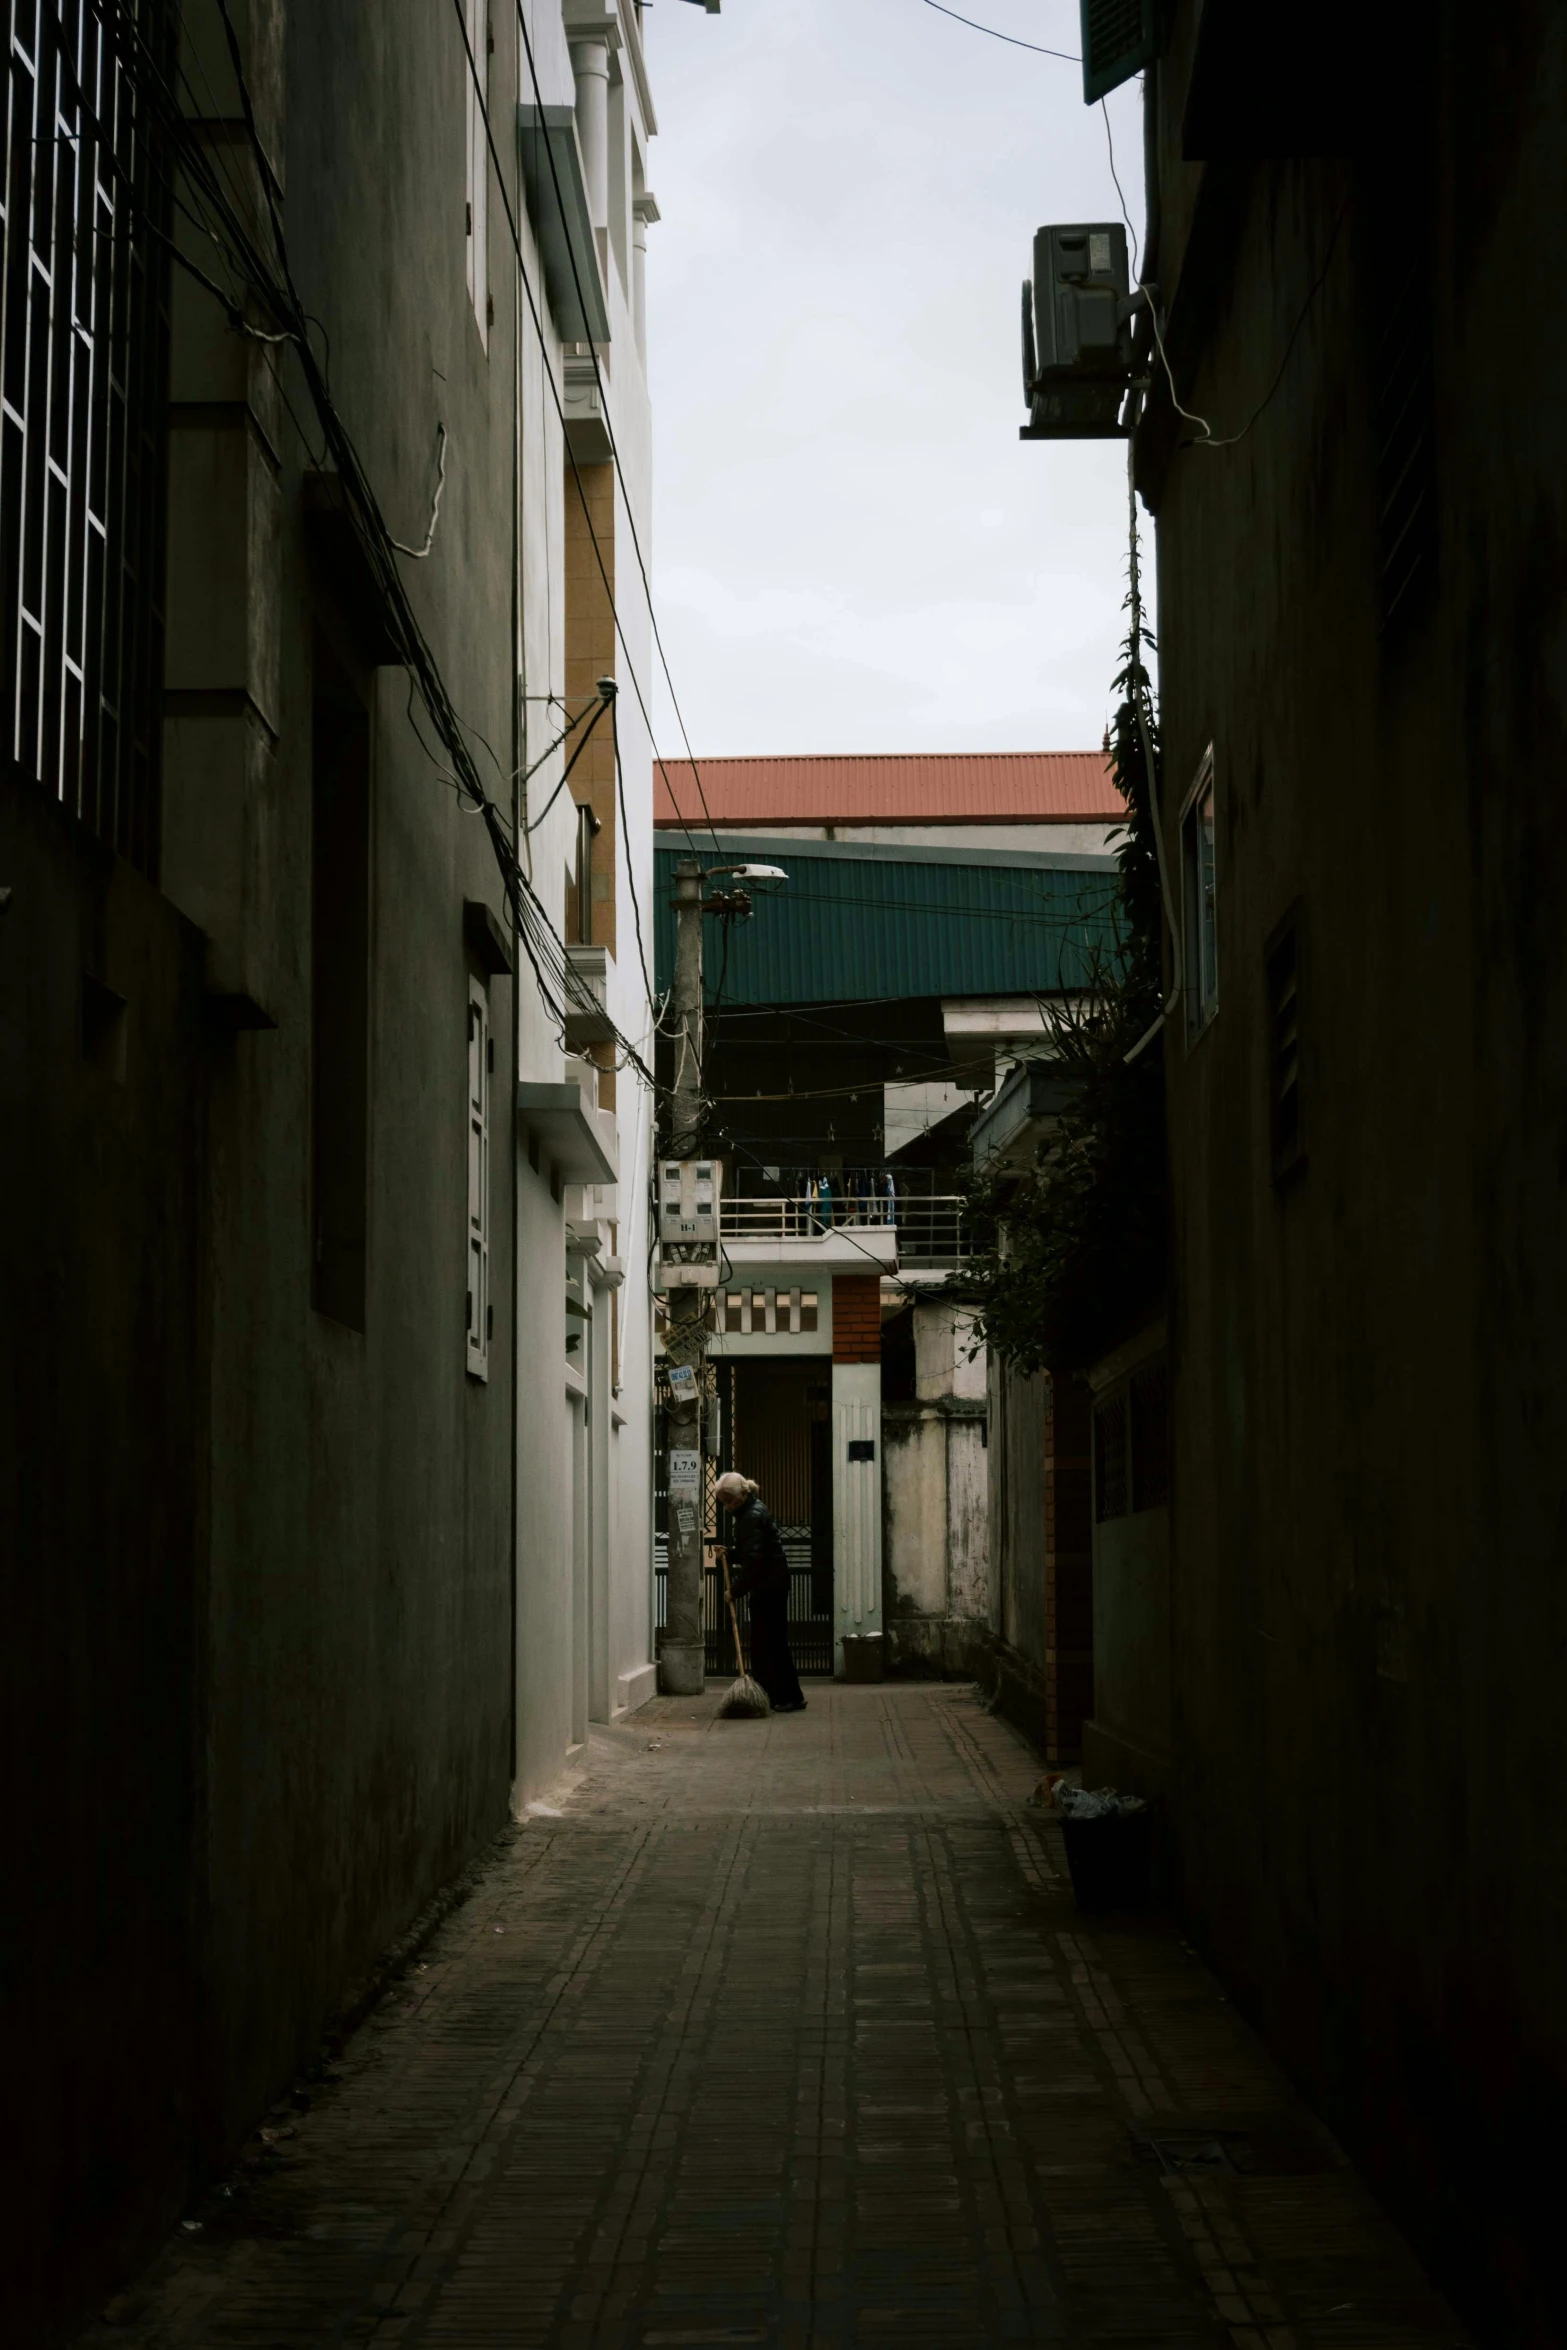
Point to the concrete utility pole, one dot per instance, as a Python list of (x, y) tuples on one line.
[(682, 1658), (681, 1661)]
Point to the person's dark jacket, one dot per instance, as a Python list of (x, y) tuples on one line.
[(756, 1552)]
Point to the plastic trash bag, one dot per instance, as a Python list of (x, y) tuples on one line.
[(1095, 1803)]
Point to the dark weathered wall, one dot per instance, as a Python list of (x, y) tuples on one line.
[(260, 1608), (1369, 1611), (1041, 1664), (102, 1505), (357, 1743)]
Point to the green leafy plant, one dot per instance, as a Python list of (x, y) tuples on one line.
[(1070, 1252)]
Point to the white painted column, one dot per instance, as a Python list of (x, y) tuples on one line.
[(600, 1689), (644, 208), (856, 1502), (590, 67)]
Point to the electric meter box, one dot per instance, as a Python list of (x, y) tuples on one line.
[(689, 1195), (1077, 331)]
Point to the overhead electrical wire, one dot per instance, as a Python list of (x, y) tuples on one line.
[(482, 101), (605, 702), (272, 280), (1067, 56), (843, 1093), (1206, 438), (535, 932), (604, 404), (631, 876), (1043, 918), (418, 554)]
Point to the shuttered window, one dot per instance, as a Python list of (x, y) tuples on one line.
[(1120, 37), (1283, 983), (1199, 907), (481, 1320)]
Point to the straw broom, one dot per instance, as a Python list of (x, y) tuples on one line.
[(747, 1700)]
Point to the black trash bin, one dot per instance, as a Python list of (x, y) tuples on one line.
[(1109, 1859)]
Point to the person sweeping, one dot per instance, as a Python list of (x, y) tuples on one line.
[(757, 1553)]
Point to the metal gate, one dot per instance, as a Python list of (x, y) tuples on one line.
[(810, 1614), (777, 1445)]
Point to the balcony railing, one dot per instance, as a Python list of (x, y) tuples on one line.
[(929, 1229)]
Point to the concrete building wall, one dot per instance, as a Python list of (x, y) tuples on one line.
[(104, 1055), (355, 1748), (916, 1526), (586, 513), (1126, 1744), (1368, 1610), (301, 1602), (1040, 1663), (936, 1533)]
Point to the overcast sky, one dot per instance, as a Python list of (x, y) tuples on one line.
[(853, 551)]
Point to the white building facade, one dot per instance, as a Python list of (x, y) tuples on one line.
[(584, 1602)]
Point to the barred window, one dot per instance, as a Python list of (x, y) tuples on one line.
[(83, 358)]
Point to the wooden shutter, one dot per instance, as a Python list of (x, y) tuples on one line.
[(478, 1181), (1283, 977), (1119, 39)]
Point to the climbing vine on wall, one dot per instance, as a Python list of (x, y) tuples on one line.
[(1070, 1252)]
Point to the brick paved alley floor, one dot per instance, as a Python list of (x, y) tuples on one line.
[(790, 2033)]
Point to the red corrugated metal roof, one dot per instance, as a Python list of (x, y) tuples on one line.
[(1002, 787)]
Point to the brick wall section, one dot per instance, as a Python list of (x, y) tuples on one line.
[(1069, 1597), (856, 1318), (590, 655)]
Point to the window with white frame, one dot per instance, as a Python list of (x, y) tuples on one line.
[(1198, 879), (476, 63), (481, 1062)]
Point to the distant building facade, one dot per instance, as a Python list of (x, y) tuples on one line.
[(936, 910)]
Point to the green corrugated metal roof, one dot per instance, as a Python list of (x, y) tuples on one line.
[(844, 927)]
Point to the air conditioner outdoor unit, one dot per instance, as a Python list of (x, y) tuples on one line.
[(1077, 333)]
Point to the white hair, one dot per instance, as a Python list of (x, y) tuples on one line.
[(732, 1482)]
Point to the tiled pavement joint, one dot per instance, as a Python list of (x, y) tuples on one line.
[(789, 2033)]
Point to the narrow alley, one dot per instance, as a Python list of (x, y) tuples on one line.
[(790, 2032), (781, 860)]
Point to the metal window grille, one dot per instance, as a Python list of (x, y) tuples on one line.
[(83, 360)]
